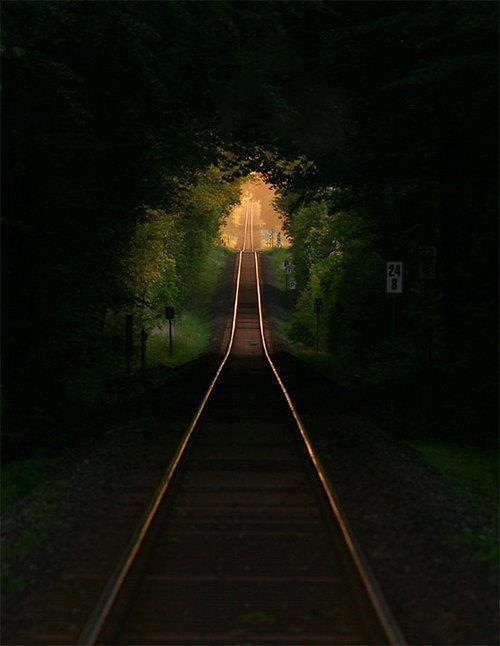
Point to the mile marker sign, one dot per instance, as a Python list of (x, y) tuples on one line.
[(394, 282)]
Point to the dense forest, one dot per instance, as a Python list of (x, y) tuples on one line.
[(128, 125)]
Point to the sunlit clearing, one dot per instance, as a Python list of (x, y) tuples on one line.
[(268, 222)]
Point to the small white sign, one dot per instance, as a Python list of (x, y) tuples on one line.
[(394, 284), (289, 269), (293, 284)]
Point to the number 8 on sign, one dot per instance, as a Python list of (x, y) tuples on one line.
[(394, 280)]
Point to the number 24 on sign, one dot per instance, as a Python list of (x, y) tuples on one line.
[(394, 284)]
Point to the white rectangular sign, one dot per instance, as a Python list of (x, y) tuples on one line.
[(394, 284)]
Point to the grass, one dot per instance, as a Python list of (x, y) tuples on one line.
[(209, 277), (21, 477), (483, 548), (26, 544), (18, 480), (257, 618), (191, 329), (323, 362), (473, 469), (191, 335), (104, 381)]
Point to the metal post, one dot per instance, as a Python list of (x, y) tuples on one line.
[(394, 325), (394, 315)]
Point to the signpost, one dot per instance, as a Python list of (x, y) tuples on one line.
[(289, 267), (169, 315), (394, 286), (318, 306)]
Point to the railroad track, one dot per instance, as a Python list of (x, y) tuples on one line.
[(244, 541)]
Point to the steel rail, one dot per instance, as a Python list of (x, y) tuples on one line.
[(95, 623), (385, 616)]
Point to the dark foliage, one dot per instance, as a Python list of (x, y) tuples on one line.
[(106, 103)]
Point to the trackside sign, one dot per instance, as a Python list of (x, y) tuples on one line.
[(394, 277)]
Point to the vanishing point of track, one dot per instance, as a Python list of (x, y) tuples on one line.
[(244, 541)]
